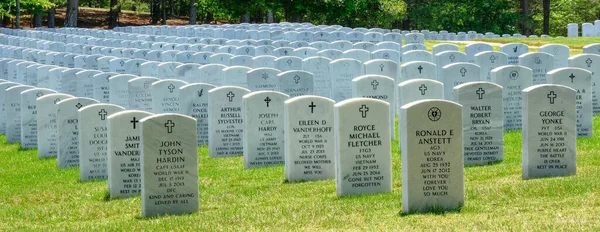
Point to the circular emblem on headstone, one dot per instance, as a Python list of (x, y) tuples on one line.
[(434, 114), (514, 75)]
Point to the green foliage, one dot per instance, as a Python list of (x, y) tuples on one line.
[(8, 7)]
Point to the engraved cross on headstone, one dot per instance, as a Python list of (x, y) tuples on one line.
[(463, 71), (230, 95), (572, 77), (420, 68), (312, 107), (363, 110), (551, 96), (134, 121), (381, 66), (480, 92), (493, 59), (423, 88), (171, 87), (375, 83), (296, 79), (452, 57), (267, 100), (169, 125), (588, 62), (102, 114), (289, 61)]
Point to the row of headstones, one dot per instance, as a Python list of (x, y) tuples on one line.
[(469, 73), (180, 43), (163, 147), (587, 29)]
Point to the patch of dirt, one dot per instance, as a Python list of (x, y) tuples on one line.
[(98, 18)]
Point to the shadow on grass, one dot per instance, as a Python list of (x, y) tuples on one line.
[(491, 163), (433, 210), (139, 217)]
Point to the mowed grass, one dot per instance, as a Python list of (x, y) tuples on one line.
[(36, 195)]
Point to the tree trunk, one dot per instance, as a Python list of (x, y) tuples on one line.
[(113, 14), (525, 17), (71, 17), (18, 20), (164, 12), (245, 17), (546, 6), (51, 17), (155, 11), (193, 12), (37, 20), (270, 16), (209, 18)]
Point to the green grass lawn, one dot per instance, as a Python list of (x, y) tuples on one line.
[(36, 195)]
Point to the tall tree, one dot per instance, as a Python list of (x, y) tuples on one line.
[(71, 17), (193, 12), (113, 14), (164, 12), (525, 22), (546, 10), (18, 20), (51, 17)]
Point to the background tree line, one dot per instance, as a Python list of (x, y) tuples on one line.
[(498, 16)]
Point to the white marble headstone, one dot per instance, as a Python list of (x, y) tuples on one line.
[(47, 133), (363, 147), (309, 139), (580, 80), (169, 159), (549, 131), (68, 130), (513, 79), (225, 121), (263, 139), (194, 103), (483, 131), (29, 127), (93, 140), (432, 156)]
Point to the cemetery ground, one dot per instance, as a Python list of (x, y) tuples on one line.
[(36, 195)]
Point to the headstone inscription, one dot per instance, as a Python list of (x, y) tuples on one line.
[(263, 79), (194, 103), (549, 131), (296, 83), (540, 63), (140, 93), (456, 74), (342, 71), (432, 156), (377, 87), (124, 153), (47, 135), (513, 79), (68, 130), (29, 138), (590, 62), (483, 131), (13, 112), (119, 89), (488, 61), (3, 87), (418, 70), (93, 140), (513, 51), (169, 158), (319, 67), (580, 80), (165, 96), (363, 147), (225, 121), (309, 136), (263, 128)]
